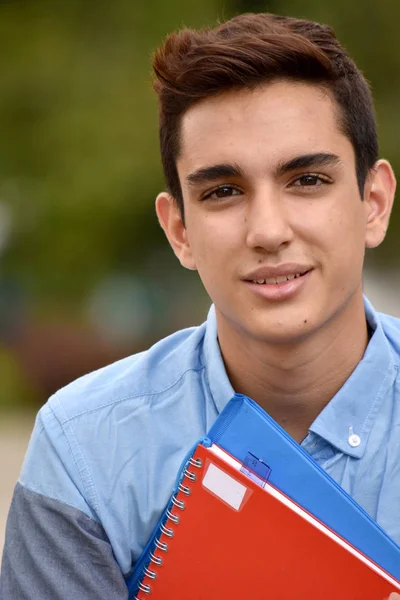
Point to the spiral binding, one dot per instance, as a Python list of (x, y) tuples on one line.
[(168, 531)]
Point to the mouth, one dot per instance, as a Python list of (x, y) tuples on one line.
[(279, 279), (279, 287)]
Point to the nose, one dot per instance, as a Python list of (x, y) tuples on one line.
[(268, 224)]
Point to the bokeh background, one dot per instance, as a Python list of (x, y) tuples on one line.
[(86, 275)]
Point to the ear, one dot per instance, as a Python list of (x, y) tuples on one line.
[(171, 220), (378, 197)]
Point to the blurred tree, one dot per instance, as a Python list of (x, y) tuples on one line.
[(79, 171), (16, 388), (79, 162)]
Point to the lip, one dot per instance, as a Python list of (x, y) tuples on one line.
[(276, 271), (279, 291)]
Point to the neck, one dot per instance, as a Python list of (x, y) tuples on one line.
[(293, 382)]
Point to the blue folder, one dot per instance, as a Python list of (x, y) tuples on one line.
[(243, 427)]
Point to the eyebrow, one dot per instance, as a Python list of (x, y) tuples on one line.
[(306, 161), (212, 173)]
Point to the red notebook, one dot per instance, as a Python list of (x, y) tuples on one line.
[(227, 537)]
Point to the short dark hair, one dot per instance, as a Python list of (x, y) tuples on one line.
[(246, 51)]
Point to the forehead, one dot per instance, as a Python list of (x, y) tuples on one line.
[(262, 126)]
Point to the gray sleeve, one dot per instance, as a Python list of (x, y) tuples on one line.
[(55, 552)]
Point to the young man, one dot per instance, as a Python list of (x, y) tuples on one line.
[(275, 189)]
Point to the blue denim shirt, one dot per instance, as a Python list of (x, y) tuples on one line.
[(105, 451)]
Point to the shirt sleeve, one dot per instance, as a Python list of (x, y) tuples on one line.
[(56, 552), (56, 546)]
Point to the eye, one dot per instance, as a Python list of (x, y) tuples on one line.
[(310, 180), (221, 192)]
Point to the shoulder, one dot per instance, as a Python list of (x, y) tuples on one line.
[(146, 374), (125, 418)]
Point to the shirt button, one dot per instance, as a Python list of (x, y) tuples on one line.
[(354, 440)]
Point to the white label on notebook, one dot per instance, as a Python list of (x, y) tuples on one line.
[(224, 486)]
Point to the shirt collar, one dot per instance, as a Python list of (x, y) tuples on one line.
[(347, 420), (218, 381), (351, 412)]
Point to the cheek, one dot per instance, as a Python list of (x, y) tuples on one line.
[(336, 228), (213, 239), (342, 245)]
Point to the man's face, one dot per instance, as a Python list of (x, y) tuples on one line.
[(274, 221)]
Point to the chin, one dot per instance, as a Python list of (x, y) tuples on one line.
[(284, 338), (284, 331)]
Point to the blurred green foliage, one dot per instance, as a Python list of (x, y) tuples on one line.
[(79, 161), (15, 386), (79, 149)]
